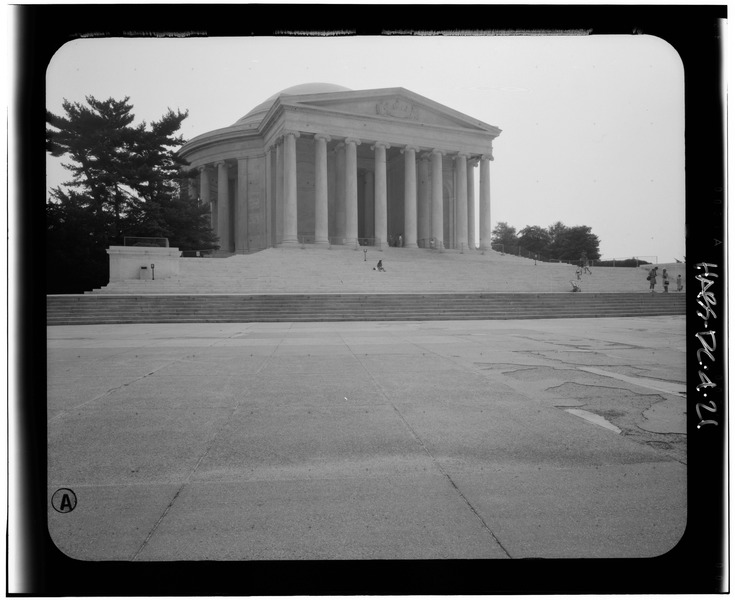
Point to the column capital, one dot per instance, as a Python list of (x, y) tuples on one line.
[(381, 144), (409, 147), (278, 141), (487, 157), (202, 168), (322, 136), (221, 163), (338, 146), (462, 155), (293, 133), (424, 156), (472, 161), (437, 151), (353, 141)]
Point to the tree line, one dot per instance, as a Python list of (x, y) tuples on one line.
[(557, 242), (125, 182)]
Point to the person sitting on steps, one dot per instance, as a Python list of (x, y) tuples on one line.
[(380, 265)]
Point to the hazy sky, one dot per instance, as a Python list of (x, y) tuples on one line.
[(592, 127)]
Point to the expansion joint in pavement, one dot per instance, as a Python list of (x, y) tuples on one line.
[(112, 389), (158, 522), (472, 508), (436, 463), (451, 481), (185, 482)]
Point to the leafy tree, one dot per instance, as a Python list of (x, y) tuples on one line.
[(574, 243), (125, 182), (556, 233), (535, 239), (504, 234)]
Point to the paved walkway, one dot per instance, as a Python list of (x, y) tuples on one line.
[(461, 439)]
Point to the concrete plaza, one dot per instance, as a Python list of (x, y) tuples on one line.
[(355, 440)]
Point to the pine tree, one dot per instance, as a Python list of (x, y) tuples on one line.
[(125, 181)]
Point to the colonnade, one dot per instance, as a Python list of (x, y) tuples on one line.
[(419, 189)]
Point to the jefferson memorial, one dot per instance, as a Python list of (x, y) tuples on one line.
[(322, 164)]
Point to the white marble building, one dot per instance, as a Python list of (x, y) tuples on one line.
[(321, 164)]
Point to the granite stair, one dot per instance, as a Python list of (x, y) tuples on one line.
[(243, 308)]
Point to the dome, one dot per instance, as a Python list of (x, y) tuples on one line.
[(254, 117)]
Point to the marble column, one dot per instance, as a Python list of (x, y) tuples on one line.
[(381, 195), (339, 166), (204, 194), (460, 165), (437, 199), (278, 213), (269, 241), (368, 213), (471, 216), (424, 201), (241, 207), (223, 207), (351, 191), (321, 201), (290, 207), (409, 197), (485, 225)]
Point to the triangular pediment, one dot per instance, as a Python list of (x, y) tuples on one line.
[(393, 104)]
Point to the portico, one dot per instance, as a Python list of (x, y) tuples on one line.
[(321, 164)]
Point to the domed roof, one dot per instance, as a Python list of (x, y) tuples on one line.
[(254, 117)]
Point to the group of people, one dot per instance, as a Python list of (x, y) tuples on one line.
[(581, 270), (653, 273), (652, 278), (584, 267)]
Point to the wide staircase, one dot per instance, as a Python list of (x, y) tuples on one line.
[(341, 284)]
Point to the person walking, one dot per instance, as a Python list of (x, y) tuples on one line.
[(679, 285), (584, 262), (652, 279), (665, 281)]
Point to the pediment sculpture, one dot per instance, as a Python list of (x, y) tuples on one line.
[(398, 108)]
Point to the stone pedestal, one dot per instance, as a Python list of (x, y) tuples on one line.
[(126, 262)]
